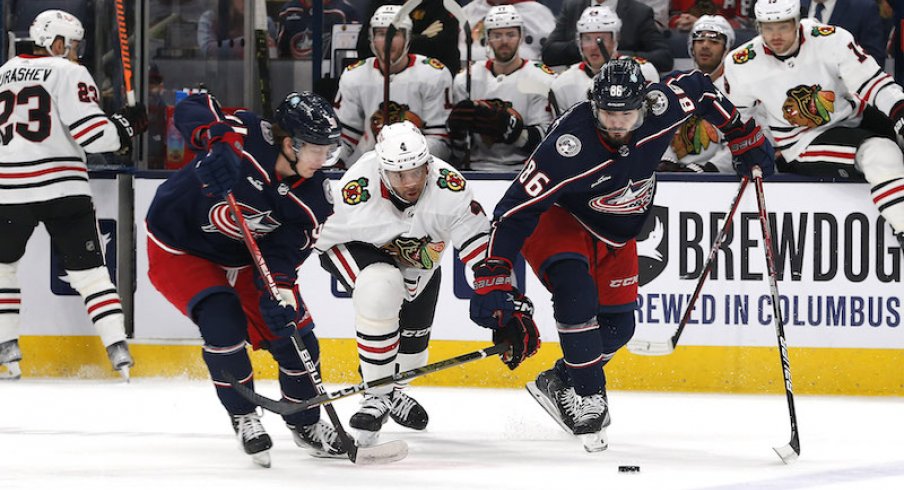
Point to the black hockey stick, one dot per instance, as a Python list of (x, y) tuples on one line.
[(469, 40), (262, 53), (386, 63), (789, 452), (603, 50), (283, 407), (665, 347), (383, 453)]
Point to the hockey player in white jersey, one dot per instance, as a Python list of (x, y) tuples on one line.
[(698, 146), (420, 92), (811, 83), (571, 86), (398, 209), (50, 118), (507, 109)]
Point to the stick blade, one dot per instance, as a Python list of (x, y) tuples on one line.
[(269, 404), (787, 453), (651, 347), (388, 452)]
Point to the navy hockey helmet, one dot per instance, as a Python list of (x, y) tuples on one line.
[(619, 86), (308, 117)]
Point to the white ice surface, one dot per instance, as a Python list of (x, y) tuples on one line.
[(172, 434)]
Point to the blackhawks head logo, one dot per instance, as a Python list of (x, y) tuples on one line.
[(694, 137), (808, 106), (744, 55), (419, 253), (822, 31), (397, 113), (450, 180), (355, 192)]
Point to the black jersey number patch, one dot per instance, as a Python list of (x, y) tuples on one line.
[(36, 102)]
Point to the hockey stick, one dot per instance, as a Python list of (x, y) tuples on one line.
[(262, 53), (283, 407), (124, 54), (469, 40), (789, 452), (383, 453), (605, 52), (665, 347)]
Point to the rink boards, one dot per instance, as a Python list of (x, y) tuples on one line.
[(840, 281)]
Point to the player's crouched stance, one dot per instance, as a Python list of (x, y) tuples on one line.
[(574, 213), (399, 209), (198, 261)]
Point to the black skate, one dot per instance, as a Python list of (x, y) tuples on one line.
[(120, 358), (320, 438), (407, 412), (253, 438), (370, 418), (591, 420), (10, 355), (558, 399)]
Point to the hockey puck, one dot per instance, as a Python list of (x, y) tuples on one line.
[(629, 469)]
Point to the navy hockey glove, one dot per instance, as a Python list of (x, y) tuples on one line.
[(219, 170), (461, 119), (495, 299), (494, 119), (130, 121), (749, 148), (521, 334), (281, 316)]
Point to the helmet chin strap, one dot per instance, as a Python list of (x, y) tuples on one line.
[(293, 163)]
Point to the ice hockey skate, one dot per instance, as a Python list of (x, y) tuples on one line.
[(590, 422), (370, 418), (120, 358), (407, 412), (253, 437), (559, 400), (320, 439), (10, 355)]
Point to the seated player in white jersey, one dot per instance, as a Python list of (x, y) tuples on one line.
[(397, 211), (697, 145), (420, 92), (824, 101), (506, 113), (571, 86)]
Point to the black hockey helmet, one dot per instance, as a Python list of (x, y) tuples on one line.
[(308, 117), (619, 86)]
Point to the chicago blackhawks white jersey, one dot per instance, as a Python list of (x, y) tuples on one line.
[(49, 118), (571, 86), (824, 85), (538, 20), (698, 142), (420, 93), (526, 90), (446, 215)]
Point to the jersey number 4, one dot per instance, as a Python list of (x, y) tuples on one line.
[(37, 101)]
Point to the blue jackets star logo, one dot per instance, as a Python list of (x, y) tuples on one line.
[(634, 198), (221, 221)]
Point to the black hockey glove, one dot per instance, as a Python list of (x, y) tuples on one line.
[(749, 147), (461, 119), (496, 121), (521, 334), (220, 169), (130, 121)]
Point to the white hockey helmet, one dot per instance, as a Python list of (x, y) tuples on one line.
[(383, 18), (502, 16), (400, 147), (51, 24), (599, 19), (776, 10), (709, 24)]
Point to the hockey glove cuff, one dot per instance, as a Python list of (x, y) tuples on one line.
[(493, 302), (130, 121), (521, 334), (749, 147)]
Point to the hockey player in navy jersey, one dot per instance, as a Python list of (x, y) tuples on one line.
[(198, 261), (574, 212)]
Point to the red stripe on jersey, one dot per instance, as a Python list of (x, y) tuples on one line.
[(37, 173), (96, 306), (828, 153), (473, 254), (89, 128), (345, 266), (379, 350), (876, 199), (873, 86), (350, 139), (10, 301)]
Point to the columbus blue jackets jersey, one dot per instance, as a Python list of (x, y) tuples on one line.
[(284, 214), (608, 189)]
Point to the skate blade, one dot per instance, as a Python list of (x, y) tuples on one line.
[(366, 438), (261, 459), (544, 402), (389, 452), (596, 442), (10, 371), (124, 372)]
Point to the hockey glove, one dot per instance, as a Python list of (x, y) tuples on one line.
[(461, 119), (498, 122), (219, 170), (283, 316), (521, 334), (495, 299), (749, 148), (130, 121)]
